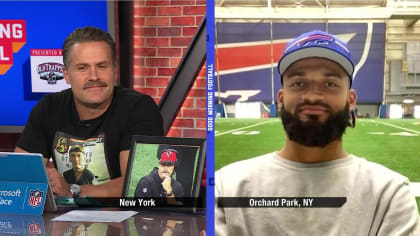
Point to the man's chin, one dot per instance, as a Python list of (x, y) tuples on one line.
[(315, 131), (319, 119)]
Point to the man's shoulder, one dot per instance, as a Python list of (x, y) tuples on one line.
[(246, 168), (378, 172), (67, 172), (130, 99), (129, 94), (89, 172), (147, 178), (53, 100)]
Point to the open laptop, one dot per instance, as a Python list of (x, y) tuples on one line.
[(26, 167)]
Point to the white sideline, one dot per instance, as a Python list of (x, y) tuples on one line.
[(246, 127), (396, 126)]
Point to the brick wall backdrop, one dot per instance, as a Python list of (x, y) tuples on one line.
[(162, 33)]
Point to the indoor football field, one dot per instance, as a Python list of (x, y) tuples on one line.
[(394, 143)]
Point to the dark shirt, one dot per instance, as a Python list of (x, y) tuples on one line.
[(54, 124), (151, 186), (86, 177)]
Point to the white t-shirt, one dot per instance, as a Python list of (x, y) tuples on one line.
[(379, 201)]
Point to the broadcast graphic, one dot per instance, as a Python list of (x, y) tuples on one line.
[(12, 39)]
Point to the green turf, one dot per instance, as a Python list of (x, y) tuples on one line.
[(418, 203), (144, 161), (399, 153)]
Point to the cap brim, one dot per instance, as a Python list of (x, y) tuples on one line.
[(167, 162), (309, 52)]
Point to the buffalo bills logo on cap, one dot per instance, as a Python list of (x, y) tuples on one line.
[(168, 155), (316, 39)]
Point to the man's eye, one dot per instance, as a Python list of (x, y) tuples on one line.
[(331, 85), (81, 67), (297, 84)]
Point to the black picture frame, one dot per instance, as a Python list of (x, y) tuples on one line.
[(188, 170)]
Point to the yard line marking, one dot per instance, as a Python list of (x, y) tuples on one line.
[(415, 188), (395, 126), (246, 127)]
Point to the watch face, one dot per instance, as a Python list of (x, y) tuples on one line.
[(74, 189)]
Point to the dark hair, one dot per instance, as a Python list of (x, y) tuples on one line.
[(77, 148), (87, 34)]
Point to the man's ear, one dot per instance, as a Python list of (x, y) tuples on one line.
[(352, 99), (66, 75), (280, 98)]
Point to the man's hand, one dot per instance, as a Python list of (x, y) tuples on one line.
[(58, 183), (166, 184)]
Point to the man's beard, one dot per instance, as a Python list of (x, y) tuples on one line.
[(313, 133)]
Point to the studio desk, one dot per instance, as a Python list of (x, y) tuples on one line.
[(144, 223)]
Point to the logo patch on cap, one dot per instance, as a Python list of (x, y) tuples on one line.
[(168, 155)]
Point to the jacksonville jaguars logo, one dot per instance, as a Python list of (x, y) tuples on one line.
[(62, 145)]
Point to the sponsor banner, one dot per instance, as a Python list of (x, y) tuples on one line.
[(246, 71), (22, 198), (47, 71)]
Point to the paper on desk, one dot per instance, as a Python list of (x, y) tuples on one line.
[(95, 216)]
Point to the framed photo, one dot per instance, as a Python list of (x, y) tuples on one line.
[(168, 170)]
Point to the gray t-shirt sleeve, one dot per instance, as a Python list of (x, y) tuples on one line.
[(401, 216)]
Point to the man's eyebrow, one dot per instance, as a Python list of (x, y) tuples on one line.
[(295, 73), (102, 62), (332, 74)]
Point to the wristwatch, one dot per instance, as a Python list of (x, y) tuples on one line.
[(75, 190)]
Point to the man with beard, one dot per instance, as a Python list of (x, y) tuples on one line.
[(317, 105), (159, 183)]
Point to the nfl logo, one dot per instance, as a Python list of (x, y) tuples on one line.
[(35, 198), (34, 229)]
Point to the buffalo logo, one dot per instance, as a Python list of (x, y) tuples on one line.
[(317, 39), (51, 72), (62, 145), (34, 229), (35, 198)]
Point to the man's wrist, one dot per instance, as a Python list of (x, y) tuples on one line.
[(171, 193), (75, 190)]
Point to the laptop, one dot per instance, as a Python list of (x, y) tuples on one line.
[(26, 167)]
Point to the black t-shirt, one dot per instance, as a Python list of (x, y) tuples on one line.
[(54, 127), (86, 177), (151, 186)]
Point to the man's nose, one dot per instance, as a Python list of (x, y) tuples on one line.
[(93, 73), (313, 93)]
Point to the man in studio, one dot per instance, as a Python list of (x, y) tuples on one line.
[(93, 112)]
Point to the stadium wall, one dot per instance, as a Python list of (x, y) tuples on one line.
[(398, 83)]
